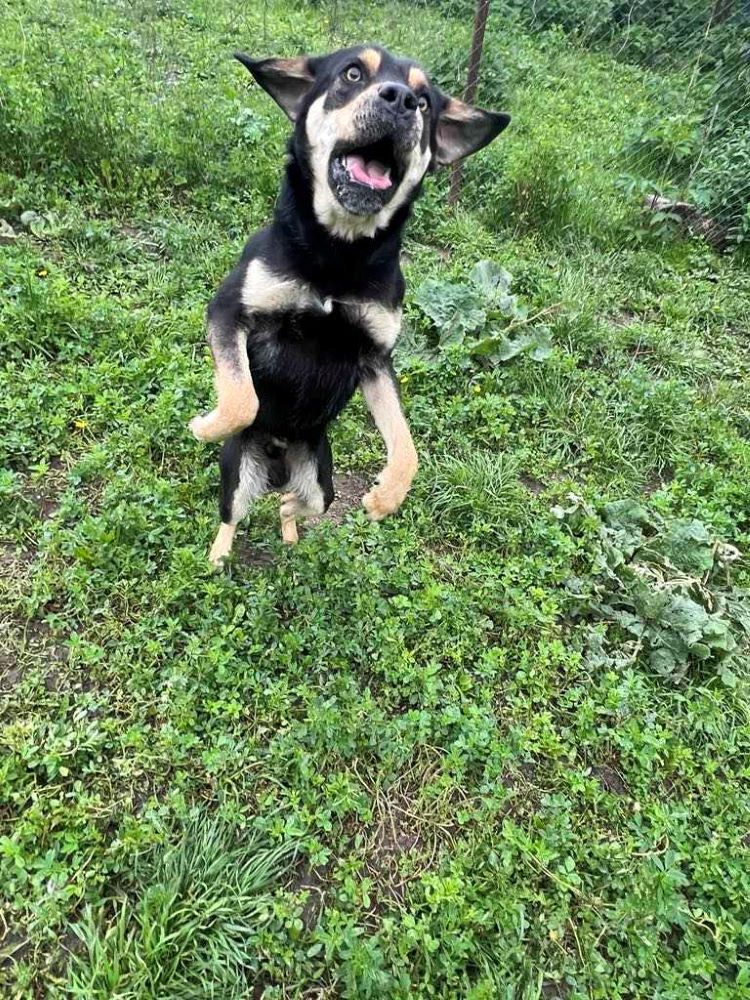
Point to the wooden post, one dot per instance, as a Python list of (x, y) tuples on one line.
[(472, 78), (721, 10)]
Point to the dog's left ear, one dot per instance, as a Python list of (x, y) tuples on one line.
[(286, 80), (463, 129)]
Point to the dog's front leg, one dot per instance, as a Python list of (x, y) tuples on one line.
[(236, 400), (382, 398)]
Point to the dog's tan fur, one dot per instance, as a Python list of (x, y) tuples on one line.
[(382, 324), (371, 59), (265, 292), (222, 545), (417, 78), (458, 113), (289, 533), (236, 399), (394, 481)]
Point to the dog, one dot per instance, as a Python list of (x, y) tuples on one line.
[(312, 310)]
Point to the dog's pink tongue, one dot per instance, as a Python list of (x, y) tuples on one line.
[(372, 173)]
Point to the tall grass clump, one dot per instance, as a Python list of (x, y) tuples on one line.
[(189, 932), (479, 493)]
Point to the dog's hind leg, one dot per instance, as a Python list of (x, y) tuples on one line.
[(288, 512), (310, 484), (244, 476), (222, 545)]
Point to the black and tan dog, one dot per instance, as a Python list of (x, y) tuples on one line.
[(313, 308)]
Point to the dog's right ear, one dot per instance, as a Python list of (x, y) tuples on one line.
[(286, 80)]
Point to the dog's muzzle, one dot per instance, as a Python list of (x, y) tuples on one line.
[(365, 173)]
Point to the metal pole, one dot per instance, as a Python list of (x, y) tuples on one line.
[(472, 78)]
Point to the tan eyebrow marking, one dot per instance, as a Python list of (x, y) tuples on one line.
[(416, 78), (371, 59)]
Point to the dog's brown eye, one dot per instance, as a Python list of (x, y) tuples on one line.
[(353, 74), (423, 103)]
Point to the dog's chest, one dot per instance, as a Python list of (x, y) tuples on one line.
[(306, 364), (331, 335)]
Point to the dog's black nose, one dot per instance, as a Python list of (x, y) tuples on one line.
[(399, 98)]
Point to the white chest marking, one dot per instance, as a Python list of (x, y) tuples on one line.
[(266, 292), (382, 324)]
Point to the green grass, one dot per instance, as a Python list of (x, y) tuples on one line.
[(191, 931), (454, 719)]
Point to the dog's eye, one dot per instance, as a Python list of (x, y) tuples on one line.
[(353, 74), (423, 103)]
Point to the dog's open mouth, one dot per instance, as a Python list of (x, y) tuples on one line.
[(363, 178), (373, 165)]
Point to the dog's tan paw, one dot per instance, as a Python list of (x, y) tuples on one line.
[(206, 428), (382, 500), (289, 532), (215, 425), (222, 545), (220, 552)]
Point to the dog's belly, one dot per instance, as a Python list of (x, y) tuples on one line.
[(305, 370)]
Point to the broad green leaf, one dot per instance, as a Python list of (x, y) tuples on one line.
[(626, 513), (686, 617), (507, 305), (727, 676), (485, 347), (490, 278), (664, 661), (507, 349), (454, 309), (540, 345), (738, 606), (718, 634), (453, 333), (688, 546)]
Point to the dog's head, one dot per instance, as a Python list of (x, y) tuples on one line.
[(369, 126)]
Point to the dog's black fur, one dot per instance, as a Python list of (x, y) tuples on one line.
[(309, 350)]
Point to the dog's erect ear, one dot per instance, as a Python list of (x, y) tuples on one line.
[(286, 80), (463, 129)]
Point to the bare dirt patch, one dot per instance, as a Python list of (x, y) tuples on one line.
[(623, 318), (29, 646), (350, 488), (313, 882), (535, 486), (408, 831), (250, 554), (25, 644), (144, 240), (395, 835), (610, 779), (658, 480), (45, 493), (15, 564), (555, 991), (14, 560)]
